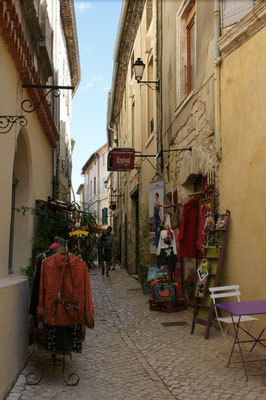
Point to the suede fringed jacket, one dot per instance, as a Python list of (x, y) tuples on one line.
[(189, 229), (50, 287)]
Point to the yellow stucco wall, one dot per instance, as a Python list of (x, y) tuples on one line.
[(33, 158), (243, 166), (13, 330), (31, 151)]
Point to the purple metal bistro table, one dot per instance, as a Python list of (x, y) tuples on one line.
[(239, 309)]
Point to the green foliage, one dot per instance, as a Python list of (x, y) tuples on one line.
[(86, 245), (59, 224)]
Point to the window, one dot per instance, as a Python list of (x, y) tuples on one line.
[(234, 10), (94, 186), (104, 216), (133, 125), (150, 94), (131, 65), (185, 49), (190, 70), (103, 158), (90, 189)]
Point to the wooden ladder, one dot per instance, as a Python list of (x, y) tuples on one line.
[(204, 308)]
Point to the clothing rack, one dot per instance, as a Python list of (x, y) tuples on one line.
[(59, 336), (56, 359)]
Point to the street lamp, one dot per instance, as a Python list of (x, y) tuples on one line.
[(138, 68), (106, 184)]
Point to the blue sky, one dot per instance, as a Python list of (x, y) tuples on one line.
[(97, 23)]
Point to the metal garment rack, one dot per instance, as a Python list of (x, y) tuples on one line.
[(58, 358)]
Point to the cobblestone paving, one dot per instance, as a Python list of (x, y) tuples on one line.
[(130, 355)]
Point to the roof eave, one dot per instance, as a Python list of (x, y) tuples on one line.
[(68, 19)]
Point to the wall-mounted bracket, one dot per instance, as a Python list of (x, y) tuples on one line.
[(7, 122), (165, 151), (55, 89), (160, 154)]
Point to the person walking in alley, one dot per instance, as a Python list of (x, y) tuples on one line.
[(100, 250), (107, 240), (114, 252)]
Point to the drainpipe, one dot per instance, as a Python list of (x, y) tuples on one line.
[(115, 136), (217, 88)]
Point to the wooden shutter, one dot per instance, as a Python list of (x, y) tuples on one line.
[(104, 215), (234, 10)]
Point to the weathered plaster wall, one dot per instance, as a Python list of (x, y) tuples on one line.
[(190, 123), (197, 133)]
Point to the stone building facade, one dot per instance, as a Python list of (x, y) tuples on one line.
[(191, 47), (170, 118), (94, 190)]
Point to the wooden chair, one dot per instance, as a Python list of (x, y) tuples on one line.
[(224, 292)]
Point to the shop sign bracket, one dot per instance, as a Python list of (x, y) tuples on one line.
[(27, 104), (122, 159)]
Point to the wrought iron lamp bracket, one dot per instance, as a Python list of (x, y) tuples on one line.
[(148, 83), (7, 122)]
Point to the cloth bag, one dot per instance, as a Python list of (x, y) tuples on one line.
[(155, 273), (164, 291)]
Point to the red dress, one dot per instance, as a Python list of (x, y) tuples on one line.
[(50, 286), (189, 229)]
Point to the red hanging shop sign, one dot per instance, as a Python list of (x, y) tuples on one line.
[(121, 159)]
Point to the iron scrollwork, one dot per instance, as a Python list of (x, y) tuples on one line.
[(29, 103), (7, 122)]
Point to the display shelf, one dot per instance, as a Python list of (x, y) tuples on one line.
[(204, 308)]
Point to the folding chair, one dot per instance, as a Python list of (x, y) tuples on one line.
[(224, 292)]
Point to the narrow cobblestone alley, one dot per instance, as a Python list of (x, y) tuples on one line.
[(131, 355)]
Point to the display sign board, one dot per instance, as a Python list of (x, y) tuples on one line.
[(121, 159), (156, 214)]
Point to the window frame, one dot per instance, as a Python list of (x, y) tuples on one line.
[(190, 22), (94, 186), (186, 16)]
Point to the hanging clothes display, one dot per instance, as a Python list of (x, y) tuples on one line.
[(76, 282), (34, 300), (166, 250), (204, 209), (189, 229), (60, 274)]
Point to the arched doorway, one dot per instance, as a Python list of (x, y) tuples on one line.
[(21, 222)]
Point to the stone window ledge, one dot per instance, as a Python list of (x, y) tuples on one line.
[(243, 30), (183, 103), (12, 280), (151, 137)]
